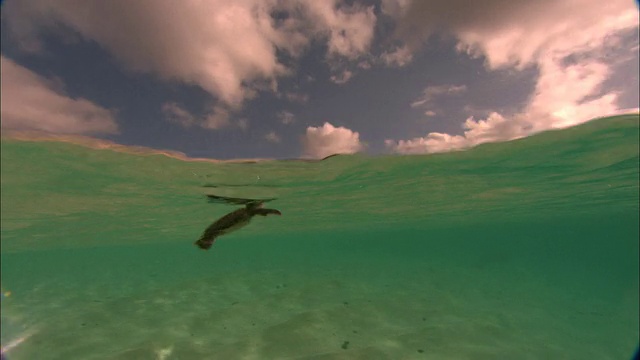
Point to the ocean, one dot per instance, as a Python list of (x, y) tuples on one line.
[(519, 250)]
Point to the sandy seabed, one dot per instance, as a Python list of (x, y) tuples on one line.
[(427, 313)]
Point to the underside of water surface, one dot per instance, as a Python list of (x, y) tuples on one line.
[(519, 250)]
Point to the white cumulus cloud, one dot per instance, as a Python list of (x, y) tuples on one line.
[(322, 141), (226, 47), (494, 128), (564, 96), (31, 102), (349, 28), (567, 41)]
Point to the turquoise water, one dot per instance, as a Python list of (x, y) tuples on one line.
[(519, 250)]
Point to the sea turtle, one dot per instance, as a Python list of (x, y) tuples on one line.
[(231, 222)]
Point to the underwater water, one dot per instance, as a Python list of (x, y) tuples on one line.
[(518, 250)]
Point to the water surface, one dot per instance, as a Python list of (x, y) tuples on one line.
[(519, 250)]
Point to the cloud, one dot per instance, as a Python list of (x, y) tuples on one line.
[(243, 124), (432, 92), (399, 57), (364, 64), (567, 95), (567, 41), (320, 142), (297, 97), (511, 32), (286, 117), (429, 96), (217, 118), (217, 45), (272, 137), (564, 96), (350, 28), (229, 48), (175, 113), (341, 78), (494, 128), (395, 8), (31, 102)]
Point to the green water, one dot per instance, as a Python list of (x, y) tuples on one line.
[(519, 250)]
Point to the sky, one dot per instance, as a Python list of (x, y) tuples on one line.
[(233, 79)]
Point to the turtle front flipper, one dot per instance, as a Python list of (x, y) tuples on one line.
[(205, 243)]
